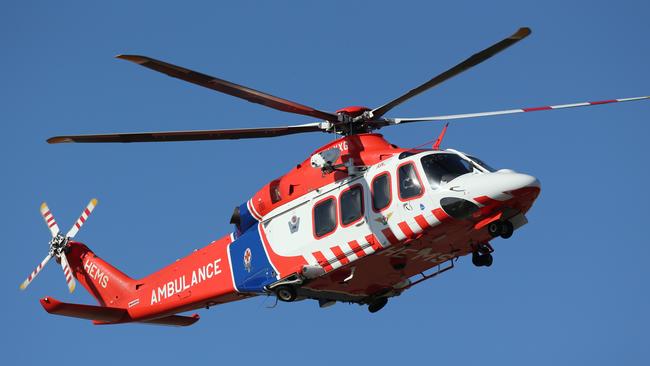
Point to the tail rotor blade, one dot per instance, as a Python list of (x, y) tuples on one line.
[(49, 219), (82, 218), (67, 271), (35, 272)]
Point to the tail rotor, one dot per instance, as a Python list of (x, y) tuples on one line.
[(59, 243)]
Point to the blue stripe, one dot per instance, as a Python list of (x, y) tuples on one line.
[(259, 272)]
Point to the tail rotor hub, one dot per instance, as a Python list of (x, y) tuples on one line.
[(58, 244)]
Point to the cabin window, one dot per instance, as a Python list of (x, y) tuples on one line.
[(275, 191), (409, 182), (381, 194), (324, 217), (351, 202)]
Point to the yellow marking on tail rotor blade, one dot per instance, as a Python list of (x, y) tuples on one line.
[(74, 285), (43, 206), (94, 201)]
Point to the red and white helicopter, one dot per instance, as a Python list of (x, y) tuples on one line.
[(359, 221)]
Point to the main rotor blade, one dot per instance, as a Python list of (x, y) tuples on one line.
[(227, 87), (474, 60), (232, 134), (67, 271), (49, 219), (35, 273), (82, 218), (395, 121)]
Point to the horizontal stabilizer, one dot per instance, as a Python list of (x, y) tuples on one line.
[(174, 320), (90, 312)]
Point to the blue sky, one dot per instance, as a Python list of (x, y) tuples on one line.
[(569, 288)]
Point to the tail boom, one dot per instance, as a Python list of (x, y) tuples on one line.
[(202, 279)]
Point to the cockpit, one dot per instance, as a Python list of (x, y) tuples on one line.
[(441, 168)]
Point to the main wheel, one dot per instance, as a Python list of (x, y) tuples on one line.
[(507, 229), (286, 293), (495, 228), (377, 304), (476, 259), (487, 259)]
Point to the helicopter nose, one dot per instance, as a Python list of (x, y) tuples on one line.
[(514, 181), (508, 184), (504, 184)]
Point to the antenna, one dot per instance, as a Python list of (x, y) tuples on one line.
[(436, 145)]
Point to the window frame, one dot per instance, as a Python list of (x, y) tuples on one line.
[(390, 191), (398, 181), (274, 191), (340, 208), (313, 216)]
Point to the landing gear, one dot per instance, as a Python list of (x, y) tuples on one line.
[(482, 260), (482, 256), (286, 293), (503, 229), (377, 304), (507, 229)]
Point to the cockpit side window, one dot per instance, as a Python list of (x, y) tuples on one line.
[(409, 183), (443, 168)]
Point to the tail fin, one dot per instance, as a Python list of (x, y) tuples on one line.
[(106, 283)]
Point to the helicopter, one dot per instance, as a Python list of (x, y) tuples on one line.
[(360, 220)]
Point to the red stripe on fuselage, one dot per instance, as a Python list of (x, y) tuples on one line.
[(340, 255), (406, 229), (422, 222), (374, 242), (440, 214), (354, 245), (322, 261)]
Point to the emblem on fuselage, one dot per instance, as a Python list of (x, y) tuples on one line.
[(247, 259), (384, 219), (294, 224)]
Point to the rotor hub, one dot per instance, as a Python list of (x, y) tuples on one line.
[(353, 111)]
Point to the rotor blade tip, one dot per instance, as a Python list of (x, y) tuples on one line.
[(522, 33), (22, 286), (72, 288), (133, 58), (58, 140), (94, 201)]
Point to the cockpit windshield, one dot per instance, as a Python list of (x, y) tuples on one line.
[(482, 163), (444, 167)]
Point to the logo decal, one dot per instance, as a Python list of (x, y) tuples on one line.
[(384, 219), (294, 224), (247, 259), (422, 207)]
